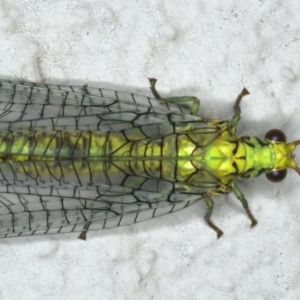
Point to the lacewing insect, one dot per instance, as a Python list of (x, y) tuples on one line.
[(81, 158)]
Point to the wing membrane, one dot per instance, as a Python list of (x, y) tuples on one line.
[(44, 196), (30, 106), (32, 210)]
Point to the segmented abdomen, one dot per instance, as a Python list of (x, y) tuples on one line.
[(92, 158)]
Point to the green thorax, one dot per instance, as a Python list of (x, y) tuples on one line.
[(230, 157)]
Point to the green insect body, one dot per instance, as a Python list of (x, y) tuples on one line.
[(77, 159)]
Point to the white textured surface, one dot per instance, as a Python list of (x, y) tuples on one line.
[(207, 49)]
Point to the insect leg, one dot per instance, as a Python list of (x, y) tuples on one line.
[(196, 102), (210, 206), (238, 193), (82, 235), (237, 109)]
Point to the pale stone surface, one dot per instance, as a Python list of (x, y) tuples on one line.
[(207, 49)]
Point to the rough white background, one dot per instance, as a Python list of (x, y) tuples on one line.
[(210, 49)]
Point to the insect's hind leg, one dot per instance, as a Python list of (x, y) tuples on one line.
[(196, 102), (153, 88), (210, 206), (85, 229)]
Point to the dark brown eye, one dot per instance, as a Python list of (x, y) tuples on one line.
[(277, 175), (275, 135)]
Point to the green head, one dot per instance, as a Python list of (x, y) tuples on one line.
[(284, 153)]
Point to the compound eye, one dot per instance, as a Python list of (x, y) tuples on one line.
[(277, 175), (275, 135)]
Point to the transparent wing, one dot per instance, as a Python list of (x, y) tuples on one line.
[(44, 196), (33, 210), (36, 106)]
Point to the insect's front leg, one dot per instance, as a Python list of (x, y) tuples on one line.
[(210, 206), (237, 110), (196, 101), (239, 194)]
